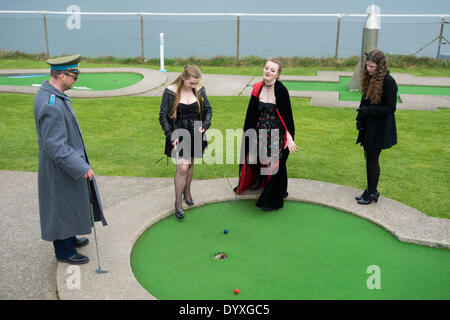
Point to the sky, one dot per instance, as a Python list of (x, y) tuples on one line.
[(235, 6)]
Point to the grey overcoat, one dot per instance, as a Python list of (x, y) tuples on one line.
[(64, 198)]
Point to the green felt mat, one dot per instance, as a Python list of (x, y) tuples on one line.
[(344, 82), (303, 251), (93, 81)]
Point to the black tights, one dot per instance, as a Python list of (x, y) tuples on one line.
[(182, 181), (372, 169)]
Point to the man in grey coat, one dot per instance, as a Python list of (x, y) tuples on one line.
[(66, 184)]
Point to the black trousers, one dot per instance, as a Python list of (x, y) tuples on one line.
[(65, 248), (372, 169)]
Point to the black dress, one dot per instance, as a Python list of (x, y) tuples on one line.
[(188, 118), (268, 120)]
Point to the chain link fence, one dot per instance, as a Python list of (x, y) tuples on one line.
[(208, 35)]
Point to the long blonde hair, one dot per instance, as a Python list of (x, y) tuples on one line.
[(372, 85), (190, 71), (277, 62)]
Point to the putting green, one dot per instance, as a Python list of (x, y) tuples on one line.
[(344, 82), (303, 251), (85, 82)]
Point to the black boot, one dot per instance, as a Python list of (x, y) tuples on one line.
[(369, 198), (361, 196)]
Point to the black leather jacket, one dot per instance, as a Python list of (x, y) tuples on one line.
[(168, 125)]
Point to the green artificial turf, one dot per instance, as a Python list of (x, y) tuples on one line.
[(344, 94), (93, 81), (303, 251)]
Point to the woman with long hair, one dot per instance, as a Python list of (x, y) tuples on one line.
[(264, 154), (185, 114), (376, 120)]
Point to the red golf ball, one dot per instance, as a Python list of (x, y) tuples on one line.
[(236, 291)]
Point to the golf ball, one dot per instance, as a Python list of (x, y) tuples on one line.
[(225, 231), (236, 291)]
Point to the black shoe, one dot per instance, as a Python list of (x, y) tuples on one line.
[(189, 203), (179, 213), (81, 242), (369, 198), (77, 258), (257, 182)]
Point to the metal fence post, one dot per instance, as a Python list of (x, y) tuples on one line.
[(237, 38), (46, 34), (440, 39), (142, 37), (337, 36)]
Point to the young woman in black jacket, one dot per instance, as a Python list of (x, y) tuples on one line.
[(376, 120), (185, 106)]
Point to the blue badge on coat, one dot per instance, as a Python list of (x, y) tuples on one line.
[(52, 100)]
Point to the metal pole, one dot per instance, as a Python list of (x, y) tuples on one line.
[(46, 34), (237, 38), (440, 39), (142, 37), (161, 52), (337, 36)]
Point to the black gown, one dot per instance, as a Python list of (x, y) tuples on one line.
[(270, 116)]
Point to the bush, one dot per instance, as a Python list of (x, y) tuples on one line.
[(394, 61)]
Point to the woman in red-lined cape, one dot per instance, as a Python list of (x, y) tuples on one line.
[(269, 109)]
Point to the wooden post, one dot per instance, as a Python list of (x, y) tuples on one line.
[(440, 39), (142, 37), (46, 34), (337, 36), (237, 38)]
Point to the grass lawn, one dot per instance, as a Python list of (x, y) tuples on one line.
[(123, 138)]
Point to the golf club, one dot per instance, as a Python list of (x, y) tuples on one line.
[(99, 270)]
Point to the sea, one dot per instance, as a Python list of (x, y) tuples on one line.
[(128, 29)]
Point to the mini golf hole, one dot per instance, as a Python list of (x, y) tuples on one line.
[(221, 256)]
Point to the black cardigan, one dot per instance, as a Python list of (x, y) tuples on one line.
[(376, 122)]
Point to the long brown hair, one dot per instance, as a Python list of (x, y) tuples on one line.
[(372, 85), (189, 71)]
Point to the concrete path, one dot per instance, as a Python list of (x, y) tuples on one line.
[(30, 271), (154, 82)]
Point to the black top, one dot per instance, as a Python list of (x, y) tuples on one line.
[(186, 115)]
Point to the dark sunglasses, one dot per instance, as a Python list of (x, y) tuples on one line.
[(75, 77)]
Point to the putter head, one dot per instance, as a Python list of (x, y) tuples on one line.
[(100, 271)]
